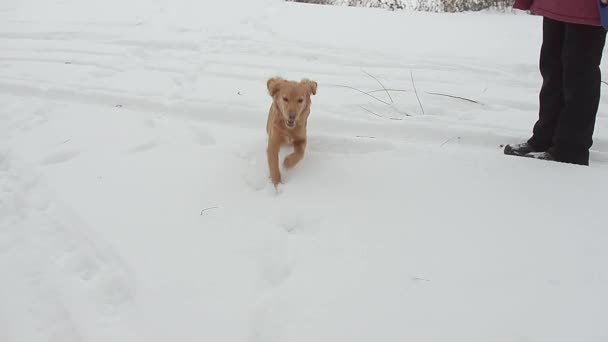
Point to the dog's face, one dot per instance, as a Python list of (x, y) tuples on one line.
[(291, 98)]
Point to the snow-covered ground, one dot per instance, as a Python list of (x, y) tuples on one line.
[(135, 204)]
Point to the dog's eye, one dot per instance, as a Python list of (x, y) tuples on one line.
[(285, 99), (300, 100)]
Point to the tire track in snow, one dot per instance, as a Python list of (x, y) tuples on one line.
[(60, 282), (60, 61), (406, 132), (246, 62), (192, 109)]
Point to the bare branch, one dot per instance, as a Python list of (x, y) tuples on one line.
[(434, 94), (361, 91), (416, 91), (420, 279), (455, 97), (382, 85), (393, 90), (447, 141), (381, 116), (206, 209), (428, 93)]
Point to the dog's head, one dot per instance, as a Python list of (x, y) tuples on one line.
[(291, 98)]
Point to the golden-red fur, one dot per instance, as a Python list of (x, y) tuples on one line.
[(287, 120)]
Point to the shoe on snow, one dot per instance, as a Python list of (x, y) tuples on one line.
[(540, 155), (519, 149)]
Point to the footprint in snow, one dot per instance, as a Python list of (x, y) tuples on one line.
[(268, 320), (295, 225), (143, 147), (60, 157), (347, 145), (275, 272), (82, 265), (256, 182), (203, 137), (255, 170), (114, 290), (150, 123)]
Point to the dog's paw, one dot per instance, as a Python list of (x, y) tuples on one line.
[(276, 180)]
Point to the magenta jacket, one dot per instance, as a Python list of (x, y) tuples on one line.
[(570, 11)]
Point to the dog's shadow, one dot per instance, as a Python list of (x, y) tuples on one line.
[(255, 171), (319, 149), (327, 144)]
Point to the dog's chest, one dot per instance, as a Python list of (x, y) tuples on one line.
[(288, 139), (293, 137)]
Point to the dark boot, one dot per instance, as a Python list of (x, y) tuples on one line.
[(520, 149), (540, 155)]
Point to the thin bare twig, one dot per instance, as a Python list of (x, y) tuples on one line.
[(416, 91), (420, 279), (393, 90), (447, 141), (428, 93), (606, 83), (382, 85), (362, 92), (381, 116), (455, 97), (206, 209)]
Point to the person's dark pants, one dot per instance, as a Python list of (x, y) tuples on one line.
[(569, 98)]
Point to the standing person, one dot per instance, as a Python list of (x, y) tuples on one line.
[(570, 56)]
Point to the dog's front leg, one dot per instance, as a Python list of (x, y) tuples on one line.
[(273, 160), (298, 154)]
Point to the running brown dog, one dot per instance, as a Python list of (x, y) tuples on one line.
[(287, 120)]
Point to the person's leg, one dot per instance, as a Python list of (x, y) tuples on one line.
[(551, 97), (581, 59)]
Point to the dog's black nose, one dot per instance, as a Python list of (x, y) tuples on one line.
[(292, 116)]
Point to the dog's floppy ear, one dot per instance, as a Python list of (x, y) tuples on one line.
[(312, 85), (273, 85)]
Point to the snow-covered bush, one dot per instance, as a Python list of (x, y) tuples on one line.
[(420, 5), (472, 5)]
